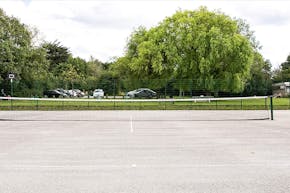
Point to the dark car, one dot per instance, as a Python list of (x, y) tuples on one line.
[(141, 93), (54, 93), (3, 94)]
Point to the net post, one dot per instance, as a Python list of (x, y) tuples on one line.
[(271, 107)]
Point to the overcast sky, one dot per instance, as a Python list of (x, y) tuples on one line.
[(100, 28)]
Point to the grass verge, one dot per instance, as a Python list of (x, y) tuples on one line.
[(251, 104)]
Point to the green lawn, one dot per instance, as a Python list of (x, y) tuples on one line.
[(253, 104)]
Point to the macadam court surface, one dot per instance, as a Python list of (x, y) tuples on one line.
[(127, 155)]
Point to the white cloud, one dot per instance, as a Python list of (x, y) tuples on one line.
[(100, 28)]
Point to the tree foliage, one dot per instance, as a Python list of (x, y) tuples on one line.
[(285, 70), (56, 53), (19, 55), (260, 82), (40, 66), (202, 45), (282, 73), (15, 45)]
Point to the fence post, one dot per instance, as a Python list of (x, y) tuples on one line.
[(37, 104), (11, 104), (271, 107), (114, 86), (165, 91), (216, 105)]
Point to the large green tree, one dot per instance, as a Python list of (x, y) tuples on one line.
[(15, 45), (56, 54), (19, 55), (203, 45)]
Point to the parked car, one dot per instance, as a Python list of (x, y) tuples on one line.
[(98, 93), (72, 93), (141, 93), (64, 92), (53, 93), (2, 93), (79, 93)]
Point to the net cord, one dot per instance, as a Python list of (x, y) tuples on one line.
[(135, 100)]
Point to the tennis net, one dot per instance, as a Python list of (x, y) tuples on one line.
[(62, 109)]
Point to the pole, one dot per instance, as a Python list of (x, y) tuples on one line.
[(11, 81), (11, 92), (271, 107)]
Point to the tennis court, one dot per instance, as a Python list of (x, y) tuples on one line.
[(144, 151)]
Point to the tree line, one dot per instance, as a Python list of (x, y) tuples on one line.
[(189, 51), (39, 66)]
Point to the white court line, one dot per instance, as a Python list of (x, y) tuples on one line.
[(132, 130), (87, 167), (131, 124)]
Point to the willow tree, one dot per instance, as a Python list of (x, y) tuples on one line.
[(201, 45)]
